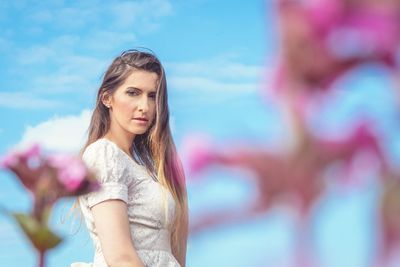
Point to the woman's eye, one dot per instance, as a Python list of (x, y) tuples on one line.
[(132, 93), (152, 96)]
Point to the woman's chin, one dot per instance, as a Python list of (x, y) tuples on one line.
[(137, 131)]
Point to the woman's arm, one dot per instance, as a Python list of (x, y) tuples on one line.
[(112, 226)]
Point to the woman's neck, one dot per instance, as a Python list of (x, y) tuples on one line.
[(122, 141)]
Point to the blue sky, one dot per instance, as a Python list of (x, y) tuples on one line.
[(218, 55)]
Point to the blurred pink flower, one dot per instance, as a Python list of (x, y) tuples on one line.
[(198, 152), (26, 164), (47, 178), (323, 39), (296, 174), (14, 157), (71, 171)]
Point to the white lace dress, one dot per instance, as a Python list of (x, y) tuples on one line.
[(122, 178)]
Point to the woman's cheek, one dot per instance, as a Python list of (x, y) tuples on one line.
[(153, 110), (131, 105)]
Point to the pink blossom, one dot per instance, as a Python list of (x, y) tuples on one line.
[(32, 151), (198, 152), (61, 174), (8, 161), (296, 173), (26, 164), (340, 34), (14, 157), (47, 178), (71, 171)]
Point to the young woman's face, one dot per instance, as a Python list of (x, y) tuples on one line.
[(133, 105)]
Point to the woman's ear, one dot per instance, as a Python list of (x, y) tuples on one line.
[(106, 100)]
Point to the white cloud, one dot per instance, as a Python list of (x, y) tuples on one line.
[(201, 84), (217, 68), (65, 134), (108, 15), (143, 13), (47, 53), (62, 82), (217, 75), (74, 74), (35, 54), (26, 100)]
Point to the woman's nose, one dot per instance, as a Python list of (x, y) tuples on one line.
[(143, 104)]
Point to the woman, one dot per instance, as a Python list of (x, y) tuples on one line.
[(140, 215)]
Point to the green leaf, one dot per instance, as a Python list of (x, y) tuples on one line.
[(40, 235)]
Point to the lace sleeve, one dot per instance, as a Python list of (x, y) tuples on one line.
[(102, 159)]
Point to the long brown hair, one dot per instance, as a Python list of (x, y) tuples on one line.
[(155, 149)]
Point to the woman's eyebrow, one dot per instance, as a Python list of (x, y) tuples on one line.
[(132, 87)]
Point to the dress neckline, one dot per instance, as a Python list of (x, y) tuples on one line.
[(127, 156), (119, 149)]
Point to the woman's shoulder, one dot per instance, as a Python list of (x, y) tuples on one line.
[(101, 148), (103, 157), (100, 145), (104, 154)]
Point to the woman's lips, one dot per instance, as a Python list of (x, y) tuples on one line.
[(141, 121)]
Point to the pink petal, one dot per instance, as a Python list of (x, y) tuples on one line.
[(71, 171), (13, 157), (33, 151), (9, 161), (197, 152)]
